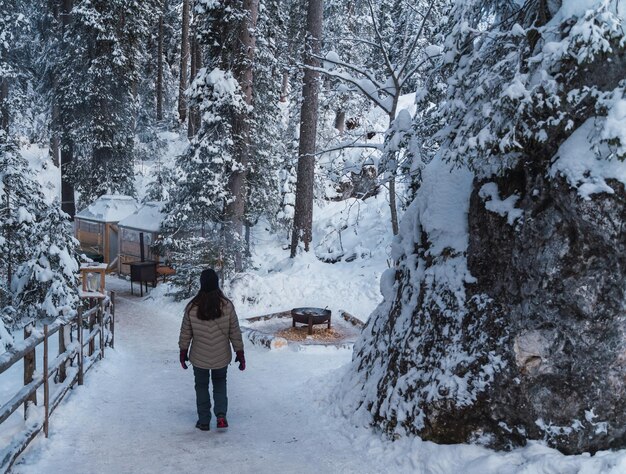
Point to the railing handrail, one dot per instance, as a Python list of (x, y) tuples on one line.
[(16, 353), (99, 318)]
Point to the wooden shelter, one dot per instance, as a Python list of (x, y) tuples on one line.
[(96, 226), (137, 234)]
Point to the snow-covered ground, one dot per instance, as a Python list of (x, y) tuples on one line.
[(136, 414)]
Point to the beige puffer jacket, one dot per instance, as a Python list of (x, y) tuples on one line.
[(210, 340)]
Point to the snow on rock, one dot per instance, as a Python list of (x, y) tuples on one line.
[(411, 345), (502, 207), (584, 168)]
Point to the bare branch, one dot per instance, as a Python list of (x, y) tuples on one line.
[(429, 58), (355, 68), (355, 83), (416, 40), (390, 68)]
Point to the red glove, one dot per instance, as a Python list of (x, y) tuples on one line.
[(183, 358), (241, 359)]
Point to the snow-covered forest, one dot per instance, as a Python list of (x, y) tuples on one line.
[(447, 176)]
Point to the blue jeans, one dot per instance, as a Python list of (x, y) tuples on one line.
[(203, 400)]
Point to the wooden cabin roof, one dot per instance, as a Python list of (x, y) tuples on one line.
[(148, 217), (109, 208)]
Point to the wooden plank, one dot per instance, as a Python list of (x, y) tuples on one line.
[(62, 349), (92, 323), (17, 446), (265, 317), (112, 310), (12, 405), (351, 319), (79, 318), (20, 397), (15, 354)]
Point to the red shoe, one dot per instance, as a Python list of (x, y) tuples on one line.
[(222, 423)]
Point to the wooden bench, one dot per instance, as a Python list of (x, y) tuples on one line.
[(165, 271)]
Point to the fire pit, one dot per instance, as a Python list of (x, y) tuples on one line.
[(310, 316)]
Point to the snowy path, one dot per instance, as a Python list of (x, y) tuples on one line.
[(137, 411), (136, 414)]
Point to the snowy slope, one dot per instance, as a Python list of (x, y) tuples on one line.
[(358, 230)]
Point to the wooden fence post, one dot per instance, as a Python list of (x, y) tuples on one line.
[(30, 363), (62, 348), (46, 388), (101, 332), (92, 341), (112, 306), (79, 319)]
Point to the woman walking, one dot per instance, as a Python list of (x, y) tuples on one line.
[(211, 326)]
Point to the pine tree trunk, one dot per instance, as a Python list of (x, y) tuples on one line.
[(340, 121), (196, 64), (284, 89), (393, 207), (184, 58), (303, 218), (55, 142), (4, 106), (67, 146), (241, 124), (159, 80), (193, 71), (67, 188)]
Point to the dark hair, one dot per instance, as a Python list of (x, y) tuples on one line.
[(208, 304)]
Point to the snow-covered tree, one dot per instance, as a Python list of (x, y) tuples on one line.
[(484, 331), (391, 60), (211, 188), (37, 249), (100, 62), (268, 151)]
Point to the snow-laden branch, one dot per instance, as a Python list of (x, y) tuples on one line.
[(369, 86), (343, 146)]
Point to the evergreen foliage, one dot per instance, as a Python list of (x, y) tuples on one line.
[(98, 103), (37, 250)]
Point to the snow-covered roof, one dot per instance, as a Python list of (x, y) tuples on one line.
[(109, 208), (148, 217)]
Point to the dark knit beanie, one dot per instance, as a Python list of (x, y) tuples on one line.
[(209, 280)]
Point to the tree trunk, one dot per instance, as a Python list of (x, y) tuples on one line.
[(55, 142), (184, 57), (241, 124), (340, 121), (159, 80), (67, 146), (393, 207), (67, 188), (284, 89), (196, 64), (4, 106), (303, 218)]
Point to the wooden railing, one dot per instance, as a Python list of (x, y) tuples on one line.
[(81, 343)]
